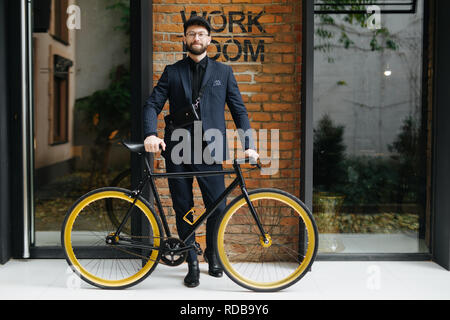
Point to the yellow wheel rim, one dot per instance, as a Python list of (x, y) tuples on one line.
[(309, 250), (77, 265)]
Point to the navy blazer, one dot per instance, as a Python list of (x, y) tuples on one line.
[(220, 87)]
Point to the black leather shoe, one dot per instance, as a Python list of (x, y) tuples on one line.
[(214, 268), (192, 279)]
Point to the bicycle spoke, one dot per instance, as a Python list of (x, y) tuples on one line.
[(265, 266), (122, 261)]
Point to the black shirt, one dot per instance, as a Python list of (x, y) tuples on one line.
[(196, 75)]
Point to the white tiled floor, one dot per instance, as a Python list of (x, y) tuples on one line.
[(51, 279)]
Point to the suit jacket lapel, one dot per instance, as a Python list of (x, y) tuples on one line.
[(185, 80)]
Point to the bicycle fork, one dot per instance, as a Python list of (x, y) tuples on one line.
[(135, 196), (114, 236), (265, 238)]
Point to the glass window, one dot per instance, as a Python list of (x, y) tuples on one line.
[(370, 129), (60, 31), (60, 102), (81, 104)]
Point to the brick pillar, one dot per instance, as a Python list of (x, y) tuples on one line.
[(261, 40)]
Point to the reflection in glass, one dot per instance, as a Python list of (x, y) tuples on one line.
[(369, 134), (81, 104)]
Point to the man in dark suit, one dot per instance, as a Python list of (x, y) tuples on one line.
[(182, 83)]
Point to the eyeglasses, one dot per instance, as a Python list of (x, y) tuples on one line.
[(200, 35)]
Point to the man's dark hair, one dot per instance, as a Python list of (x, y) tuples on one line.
[(197, 21)]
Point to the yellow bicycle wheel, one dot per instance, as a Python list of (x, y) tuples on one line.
[(106, 262), (290, 247)]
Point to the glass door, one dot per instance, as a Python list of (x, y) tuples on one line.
[(371, 145), (81, 76)]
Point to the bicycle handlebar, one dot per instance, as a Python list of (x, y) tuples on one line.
[(248, 160), (139, 148)]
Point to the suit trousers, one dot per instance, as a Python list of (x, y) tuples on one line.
[(181, 190)]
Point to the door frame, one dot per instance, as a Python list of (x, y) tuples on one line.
[(141, 55), (440, 205), (308, 138)]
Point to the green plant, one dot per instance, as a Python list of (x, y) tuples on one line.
[(398, 179), (328, 154), (107, 116), (407, 153), (340, 31), (122, 6), (108, 110), (369, 182)]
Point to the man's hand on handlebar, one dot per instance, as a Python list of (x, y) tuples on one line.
[(154, 144), (250, 153)]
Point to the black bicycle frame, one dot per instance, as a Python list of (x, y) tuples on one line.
[(150, 178)]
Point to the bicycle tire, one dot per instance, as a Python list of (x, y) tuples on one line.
[(83, 239), (291, 228), (121, 176)]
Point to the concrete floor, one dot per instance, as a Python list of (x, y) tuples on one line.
[(367, 280)]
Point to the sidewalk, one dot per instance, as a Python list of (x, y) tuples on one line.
[(360, 280)]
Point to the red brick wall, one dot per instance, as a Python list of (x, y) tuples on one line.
[(263, 46)]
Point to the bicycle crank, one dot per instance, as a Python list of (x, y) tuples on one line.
[(173, 254)]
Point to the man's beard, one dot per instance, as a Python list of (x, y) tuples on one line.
[(196, 51)]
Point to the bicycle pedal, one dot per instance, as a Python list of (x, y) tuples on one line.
[(198, 249)]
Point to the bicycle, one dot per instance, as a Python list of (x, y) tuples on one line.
[(266, 239), (123, 180)]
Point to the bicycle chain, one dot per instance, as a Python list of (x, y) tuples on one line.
[(133, 254), (141, 237)]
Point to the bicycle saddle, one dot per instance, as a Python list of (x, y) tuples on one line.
[(134, 147)]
